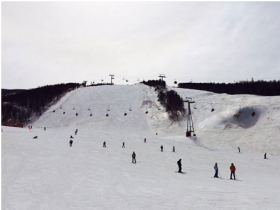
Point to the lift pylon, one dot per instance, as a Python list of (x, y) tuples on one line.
[(190, 128)]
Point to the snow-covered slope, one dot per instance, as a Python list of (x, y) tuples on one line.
[(46, 173)]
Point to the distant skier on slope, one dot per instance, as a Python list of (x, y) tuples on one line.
[(232, 169), (161, 148), (35, 137), (123, 146), (70, 142), (179, 165), (173, 149), (76, 131), (239, 149), (104, 144), (71, 137), (133, 157), (264, 156), (216, 170), (144, 140)]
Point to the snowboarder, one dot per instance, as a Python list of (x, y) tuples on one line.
[(35, 137), (173, 148), (144, 140), (161, 148), (232, 169), (133, 157), (239, 149), (76, 131), (264, 155), (179, 165), (104, 144), (216, 170), (123, 146), (70, 142)]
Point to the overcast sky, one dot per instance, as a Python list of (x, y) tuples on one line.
[(47, 43)]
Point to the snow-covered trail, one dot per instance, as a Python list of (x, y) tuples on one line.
[(46, 173)]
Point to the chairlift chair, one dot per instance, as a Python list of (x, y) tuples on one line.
[(253, 113), (107, 113), (212, 110), (240, 110)]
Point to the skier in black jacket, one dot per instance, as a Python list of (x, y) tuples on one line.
[(179, 165)]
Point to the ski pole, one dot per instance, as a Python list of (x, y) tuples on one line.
[(220, 175)]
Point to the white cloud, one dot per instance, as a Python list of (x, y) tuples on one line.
[(53, 42)]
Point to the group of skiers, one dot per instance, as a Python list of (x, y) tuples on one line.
[(232, 171), (71, 138), (179, 163)]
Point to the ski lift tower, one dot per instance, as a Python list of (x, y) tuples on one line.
[(190, 128), (161, 76), (112, 77)]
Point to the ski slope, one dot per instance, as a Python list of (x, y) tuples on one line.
[(45, 173)]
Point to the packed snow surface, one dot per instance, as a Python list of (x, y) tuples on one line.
[(47, 174)]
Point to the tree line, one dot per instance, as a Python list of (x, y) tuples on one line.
[(260, 87), (19, 106), (169, 99)]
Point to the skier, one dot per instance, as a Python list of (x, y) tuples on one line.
[(232, 169), (71, 137), (35, 137), (173, 148), (144, 140), (239, 149), (179, 165), (216, 170), (70, 142), (76, 131), (161, 148), (44, 128), (264, 155), (104, 144), (123, 145), (133, 157)]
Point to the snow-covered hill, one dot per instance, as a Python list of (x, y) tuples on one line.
[(46, 173)]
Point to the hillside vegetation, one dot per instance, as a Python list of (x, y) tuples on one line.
[(18, 106), (262, 88)]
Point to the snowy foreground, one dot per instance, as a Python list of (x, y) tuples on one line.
[(47, 174)]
